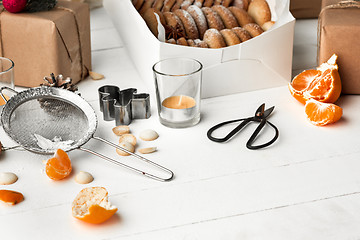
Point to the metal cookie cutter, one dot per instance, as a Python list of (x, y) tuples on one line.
[(123, 105)]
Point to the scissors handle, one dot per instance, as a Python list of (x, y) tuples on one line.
[(232, 133), (257, 131)]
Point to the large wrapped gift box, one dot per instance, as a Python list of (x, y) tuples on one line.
[(339, 33), (305, 8), (41, 43)]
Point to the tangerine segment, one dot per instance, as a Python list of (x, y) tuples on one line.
[(322, 84), (321, 114), (91, 205), (11, 197), (59, 166), (2, 102)]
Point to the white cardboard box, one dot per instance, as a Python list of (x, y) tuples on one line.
[(262, 62)]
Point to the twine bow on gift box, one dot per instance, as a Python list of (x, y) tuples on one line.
[(340, 5)]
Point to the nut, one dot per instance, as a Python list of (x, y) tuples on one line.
[(83, 178), (147, 150), (96, 76), (120, 130), (128, 146), (128, 138), (149, 135), (7, 178)]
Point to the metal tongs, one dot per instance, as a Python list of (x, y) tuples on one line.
[(260, 116)]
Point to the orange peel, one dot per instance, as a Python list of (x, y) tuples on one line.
[(11, 197), (91, 205)]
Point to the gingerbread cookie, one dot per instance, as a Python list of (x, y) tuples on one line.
[(191, 30), (199, 19), (213, 19), (230, 37), (254, 29), (151, 20), (168, 4), (241, 16), (259, 10), (242, 34), (214, 39), (226, 16)]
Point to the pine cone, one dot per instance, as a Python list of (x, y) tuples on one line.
[(59, 82), (40, 5)]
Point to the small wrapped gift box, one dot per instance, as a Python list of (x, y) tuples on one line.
[(41, 43), (339, 33), (305, 8)]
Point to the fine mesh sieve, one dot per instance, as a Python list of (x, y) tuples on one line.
[(43, 119)]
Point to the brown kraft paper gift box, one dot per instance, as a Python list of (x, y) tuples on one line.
[(305, 8), (41, 43), (339, 33)]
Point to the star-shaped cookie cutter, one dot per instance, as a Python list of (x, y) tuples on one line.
[(123, 105)]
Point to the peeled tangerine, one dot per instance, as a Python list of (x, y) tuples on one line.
[(321, 114), (91, 205), (59, 166), (322, 84)]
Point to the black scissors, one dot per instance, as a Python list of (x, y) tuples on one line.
[(260, 116)]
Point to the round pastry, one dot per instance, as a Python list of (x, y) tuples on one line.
[(242, 34), (151, 21), (217, 2), (174, 21), (171, 40), (200, 43), (191, 43), (230, 37), (147, 4), (199, 3), (214, 39), (243, 4), (213, 19), (241, 16), (191, 30), (138, 4), (168, 5), (254, 29), (259, 10), (182, 41), (177, 5), (199, 19), (186, 4), (266, 26), (158, 4), (226, 3), (226, 16), (208, 3)]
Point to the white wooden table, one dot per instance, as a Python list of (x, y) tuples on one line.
[(305, 186)]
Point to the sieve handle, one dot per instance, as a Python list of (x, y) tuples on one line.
[(7, 88), (129, 167)]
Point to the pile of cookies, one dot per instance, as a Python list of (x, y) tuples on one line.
[(206, 23)]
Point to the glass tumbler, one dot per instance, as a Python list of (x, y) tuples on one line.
[(178, 91)]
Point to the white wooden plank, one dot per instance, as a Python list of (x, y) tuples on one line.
[(227, 197)]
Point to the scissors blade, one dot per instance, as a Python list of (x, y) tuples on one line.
[(267, 112), (260, 111)]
